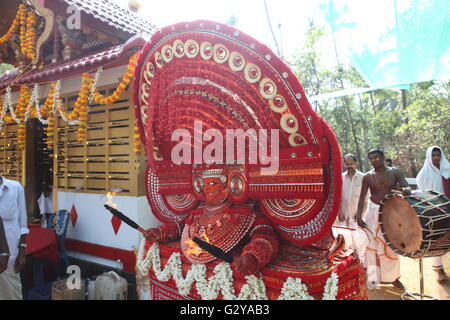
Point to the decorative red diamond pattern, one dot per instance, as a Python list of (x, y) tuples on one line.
[(73, 215), (115, 222)]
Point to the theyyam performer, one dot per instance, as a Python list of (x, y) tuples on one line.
[(242, 173)]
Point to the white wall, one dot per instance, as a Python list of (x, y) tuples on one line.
[(94, 221)]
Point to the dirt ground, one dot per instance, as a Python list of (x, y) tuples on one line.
[(410, 277)]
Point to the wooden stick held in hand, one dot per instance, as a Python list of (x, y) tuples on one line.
[(124, 218)]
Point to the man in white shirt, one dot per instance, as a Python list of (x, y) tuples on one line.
[(355, 237), (14, 220)]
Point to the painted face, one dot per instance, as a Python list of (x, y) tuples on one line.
[(350, 165), (215, 190), (376, 160), (436, 158)]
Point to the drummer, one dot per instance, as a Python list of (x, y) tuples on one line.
[(383, 264), (435, 176)]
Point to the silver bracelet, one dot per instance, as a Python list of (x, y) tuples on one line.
[(5, 254)]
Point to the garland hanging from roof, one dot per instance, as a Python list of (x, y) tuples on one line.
[(126, 79), (28, 106), (30, 36), (14, 25), (25, 21)]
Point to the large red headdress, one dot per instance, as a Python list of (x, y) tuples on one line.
[(214, 73)]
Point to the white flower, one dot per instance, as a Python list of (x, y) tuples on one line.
[(221, 281), (9, 104), (94, 85), (294, 289), (331, 287)]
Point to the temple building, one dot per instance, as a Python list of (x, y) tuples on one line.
[(81, 149)]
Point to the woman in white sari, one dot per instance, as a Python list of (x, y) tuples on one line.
[(435, 176)]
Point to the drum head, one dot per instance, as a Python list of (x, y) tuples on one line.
[(401, 225)]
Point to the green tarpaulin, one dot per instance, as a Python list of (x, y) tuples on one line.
[(392, 42)]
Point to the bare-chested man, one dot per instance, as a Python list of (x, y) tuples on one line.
[(383, 265)]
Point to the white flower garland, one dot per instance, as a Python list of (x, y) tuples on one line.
[(9, 104), (34, 100), (331, 287), (221, 281), (4, 107), (57, 106), (94, 85), (294, 289)]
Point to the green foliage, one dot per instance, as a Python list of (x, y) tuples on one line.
[(5, 67), (427, 119), (379, 118)]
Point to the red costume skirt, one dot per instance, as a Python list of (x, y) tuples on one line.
[(308, 265)]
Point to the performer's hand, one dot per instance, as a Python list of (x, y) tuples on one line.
[(20, 261), (246, 264), (337, 249), (3, 264), (153, 234)]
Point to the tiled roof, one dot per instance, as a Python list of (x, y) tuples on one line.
[(114, 15), (75, 67)]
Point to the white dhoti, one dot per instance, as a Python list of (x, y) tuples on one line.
[(383, 264), (10, 285)]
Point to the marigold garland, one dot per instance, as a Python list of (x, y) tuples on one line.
[(14, 25), (81, 107), (25, 21), (50, 131), (30, 38), (126, 79), (20, 115), (23, 26), (137, 141), (45, 111), (53, 103)]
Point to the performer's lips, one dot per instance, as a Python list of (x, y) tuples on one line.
[(213, 194)]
